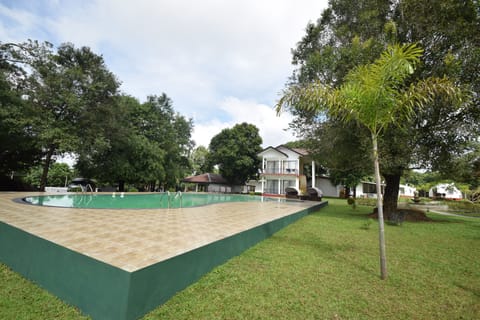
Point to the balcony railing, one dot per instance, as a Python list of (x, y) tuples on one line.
[(278, 171)]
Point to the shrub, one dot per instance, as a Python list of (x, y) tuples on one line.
[(351, 201), (371, 202), (465, 206)]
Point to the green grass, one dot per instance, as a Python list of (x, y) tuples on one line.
[(464, 207), (20, 299), (324, 266)]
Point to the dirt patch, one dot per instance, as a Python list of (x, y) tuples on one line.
[(410, 214)]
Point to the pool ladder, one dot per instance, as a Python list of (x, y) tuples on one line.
[(175, 195), (85, 188)]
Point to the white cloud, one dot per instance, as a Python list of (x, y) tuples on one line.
[(221, 62), (241, 45), (271, 127)]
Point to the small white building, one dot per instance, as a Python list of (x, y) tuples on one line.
[(445, 191), (406, 191), (368, 189), (328, 188), (209, 182)]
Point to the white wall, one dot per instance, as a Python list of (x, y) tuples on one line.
[(448, 190), (220, 188), (407, 191), (328, 189), (56, 189)]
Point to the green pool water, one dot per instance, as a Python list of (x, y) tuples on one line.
[(141, 201)]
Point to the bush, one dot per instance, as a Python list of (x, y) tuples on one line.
[(371, 202), (351, 201), (465, 206)]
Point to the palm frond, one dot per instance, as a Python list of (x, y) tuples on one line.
[(311, 97), (374, 94)]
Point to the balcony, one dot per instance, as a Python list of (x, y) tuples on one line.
[(291, 171), (281, 167)]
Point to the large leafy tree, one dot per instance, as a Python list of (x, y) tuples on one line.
[(351, 33), (19, 148), (59, 175), (113, 155), (199, 160), (172, 133), (64, 100), (376, 97), (235, 151), (66, 89), (144, 144)]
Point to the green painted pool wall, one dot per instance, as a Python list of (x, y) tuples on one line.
[(105, 292), (155, 284), (98, 289)]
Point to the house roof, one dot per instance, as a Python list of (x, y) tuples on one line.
[(272, 148), (206, 178), (300, 151)]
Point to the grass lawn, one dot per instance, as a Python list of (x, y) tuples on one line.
[(325, 266)]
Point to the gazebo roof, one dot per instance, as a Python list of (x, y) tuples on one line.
[(206, 178)]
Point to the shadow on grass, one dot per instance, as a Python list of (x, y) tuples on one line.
[(310, 241), (341, 255), (474, 291), (349, 214)]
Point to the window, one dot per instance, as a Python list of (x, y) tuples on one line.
[(272, 166), (271, 187), (371, 188), (285, 184), (290, 167)]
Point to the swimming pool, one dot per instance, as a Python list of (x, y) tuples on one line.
[(142, 201), (119, 264)]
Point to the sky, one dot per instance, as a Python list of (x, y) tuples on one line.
[(221, 62)]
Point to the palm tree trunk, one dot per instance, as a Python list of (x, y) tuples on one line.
[(381, 228)]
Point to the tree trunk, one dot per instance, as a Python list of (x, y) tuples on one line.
[(121, 186), (381, 227), (390, 200), (46, 167)]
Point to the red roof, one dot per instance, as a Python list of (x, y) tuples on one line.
[(206, 178)]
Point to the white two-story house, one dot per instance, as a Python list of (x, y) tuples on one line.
[(282, 167)]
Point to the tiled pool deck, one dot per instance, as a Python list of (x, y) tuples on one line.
[(133, 240)]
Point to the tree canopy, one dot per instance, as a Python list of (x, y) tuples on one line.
[(55, 101), (235, 152), (375, 97), (199, 161), (342, 39), (64, 89), (148, 144)]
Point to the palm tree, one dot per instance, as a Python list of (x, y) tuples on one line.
[(375, 96)]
